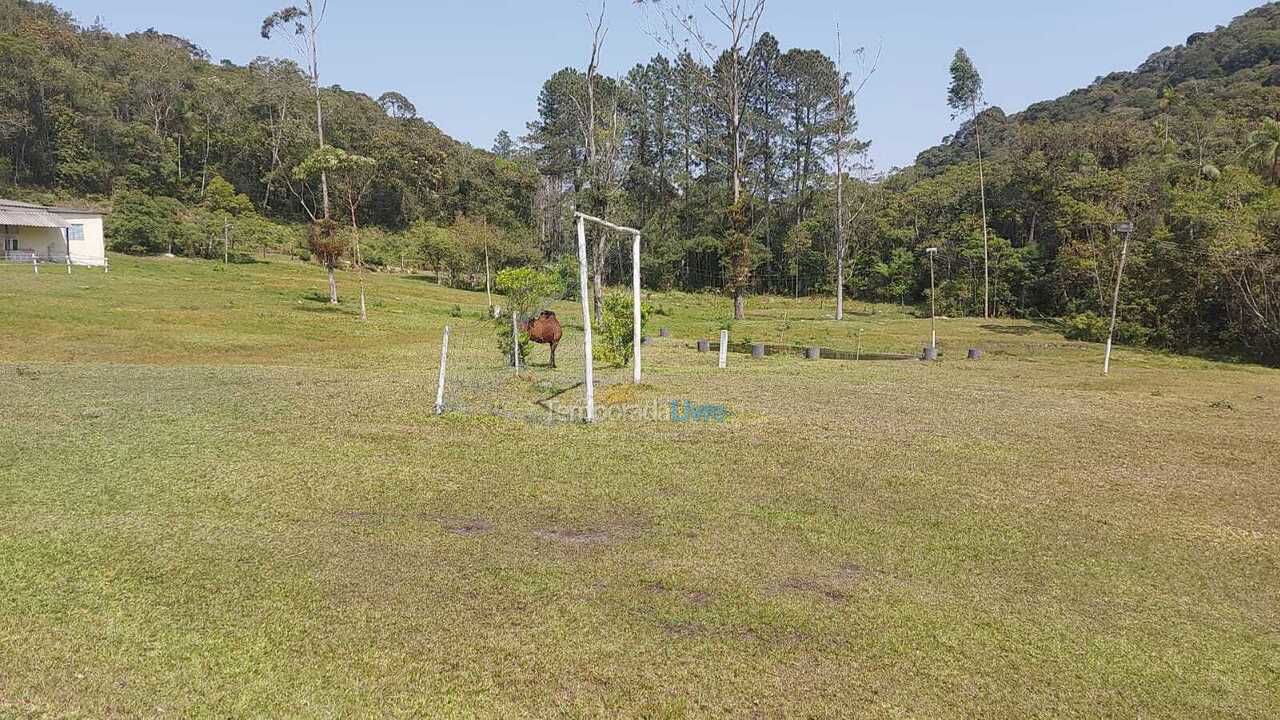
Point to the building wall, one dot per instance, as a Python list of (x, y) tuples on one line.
[(92, 249), (44, 242), (87, 247)]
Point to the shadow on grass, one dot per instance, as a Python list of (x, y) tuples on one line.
[(1011, 329), (431, 279), (322, 304), (316, 296), (327, 309)]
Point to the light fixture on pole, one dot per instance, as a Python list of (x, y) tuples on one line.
[(1125, 229), (933, 305)]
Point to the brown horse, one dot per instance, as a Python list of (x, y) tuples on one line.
[(545, 330)]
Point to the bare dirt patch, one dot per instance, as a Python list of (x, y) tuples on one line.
[(818, 587), (362, 517), (573, 537), (683, 629), (834, 587), (467, 527)]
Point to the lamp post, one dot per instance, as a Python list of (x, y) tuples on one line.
[(933, 305), (1125, 229)]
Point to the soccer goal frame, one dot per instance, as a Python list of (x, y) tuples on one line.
[(583, 286)]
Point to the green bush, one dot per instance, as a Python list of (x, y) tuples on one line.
[(503, 329), (614, 339), (527, 290), (566, 271), (1091, 327), (141, 224)]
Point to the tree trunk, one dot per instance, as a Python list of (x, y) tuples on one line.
[(597, 278), (315, 83), (840, 249), (982, 188), (355, 239)]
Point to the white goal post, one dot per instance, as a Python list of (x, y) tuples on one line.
[(582, 219)]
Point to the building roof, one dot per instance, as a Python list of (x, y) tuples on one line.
[(13, 212)]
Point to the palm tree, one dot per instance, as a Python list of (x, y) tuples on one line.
[(1264, 148)]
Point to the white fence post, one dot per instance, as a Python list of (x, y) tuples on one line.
[(635, 304), (586, 319), (724, 348), (444, 356), (515, 343), (34, 266)]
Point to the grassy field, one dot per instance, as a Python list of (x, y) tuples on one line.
[(220, 497)]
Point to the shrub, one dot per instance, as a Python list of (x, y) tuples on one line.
[(527, 290), (503, 329), (566, 271), (1091, 327), (615, 339), (141, 224)]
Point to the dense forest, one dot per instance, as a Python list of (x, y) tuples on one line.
[(740, 160)]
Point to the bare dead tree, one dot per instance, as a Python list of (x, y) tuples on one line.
[(306, 26), (843, 102), (740, 19), (602, 142), (1256, 277)]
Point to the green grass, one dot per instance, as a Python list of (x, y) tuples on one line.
[(220, 497)]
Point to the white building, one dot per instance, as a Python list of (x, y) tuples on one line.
[(51, 234)]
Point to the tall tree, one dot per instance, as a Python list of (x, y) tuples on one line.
[(352, 176), (599, 121), (1264, 149), (965, 96), (845, 123), (726, 74), (306, 27)]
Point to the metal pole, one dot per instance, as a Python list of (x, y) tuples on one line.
[(635, 304), (586, 320)]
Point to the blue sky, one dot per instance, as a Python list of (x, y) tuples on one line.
[(475, 67)]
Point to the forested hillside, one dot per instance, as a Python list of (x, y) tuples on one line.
[(1185, 146), (727, 158), (148, 123)]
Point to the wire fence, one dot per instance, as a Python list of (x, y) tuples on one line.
[(35, 258), (479, 380)]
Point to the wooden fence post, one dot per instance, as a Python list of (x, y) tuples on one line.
[(444, 356)]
